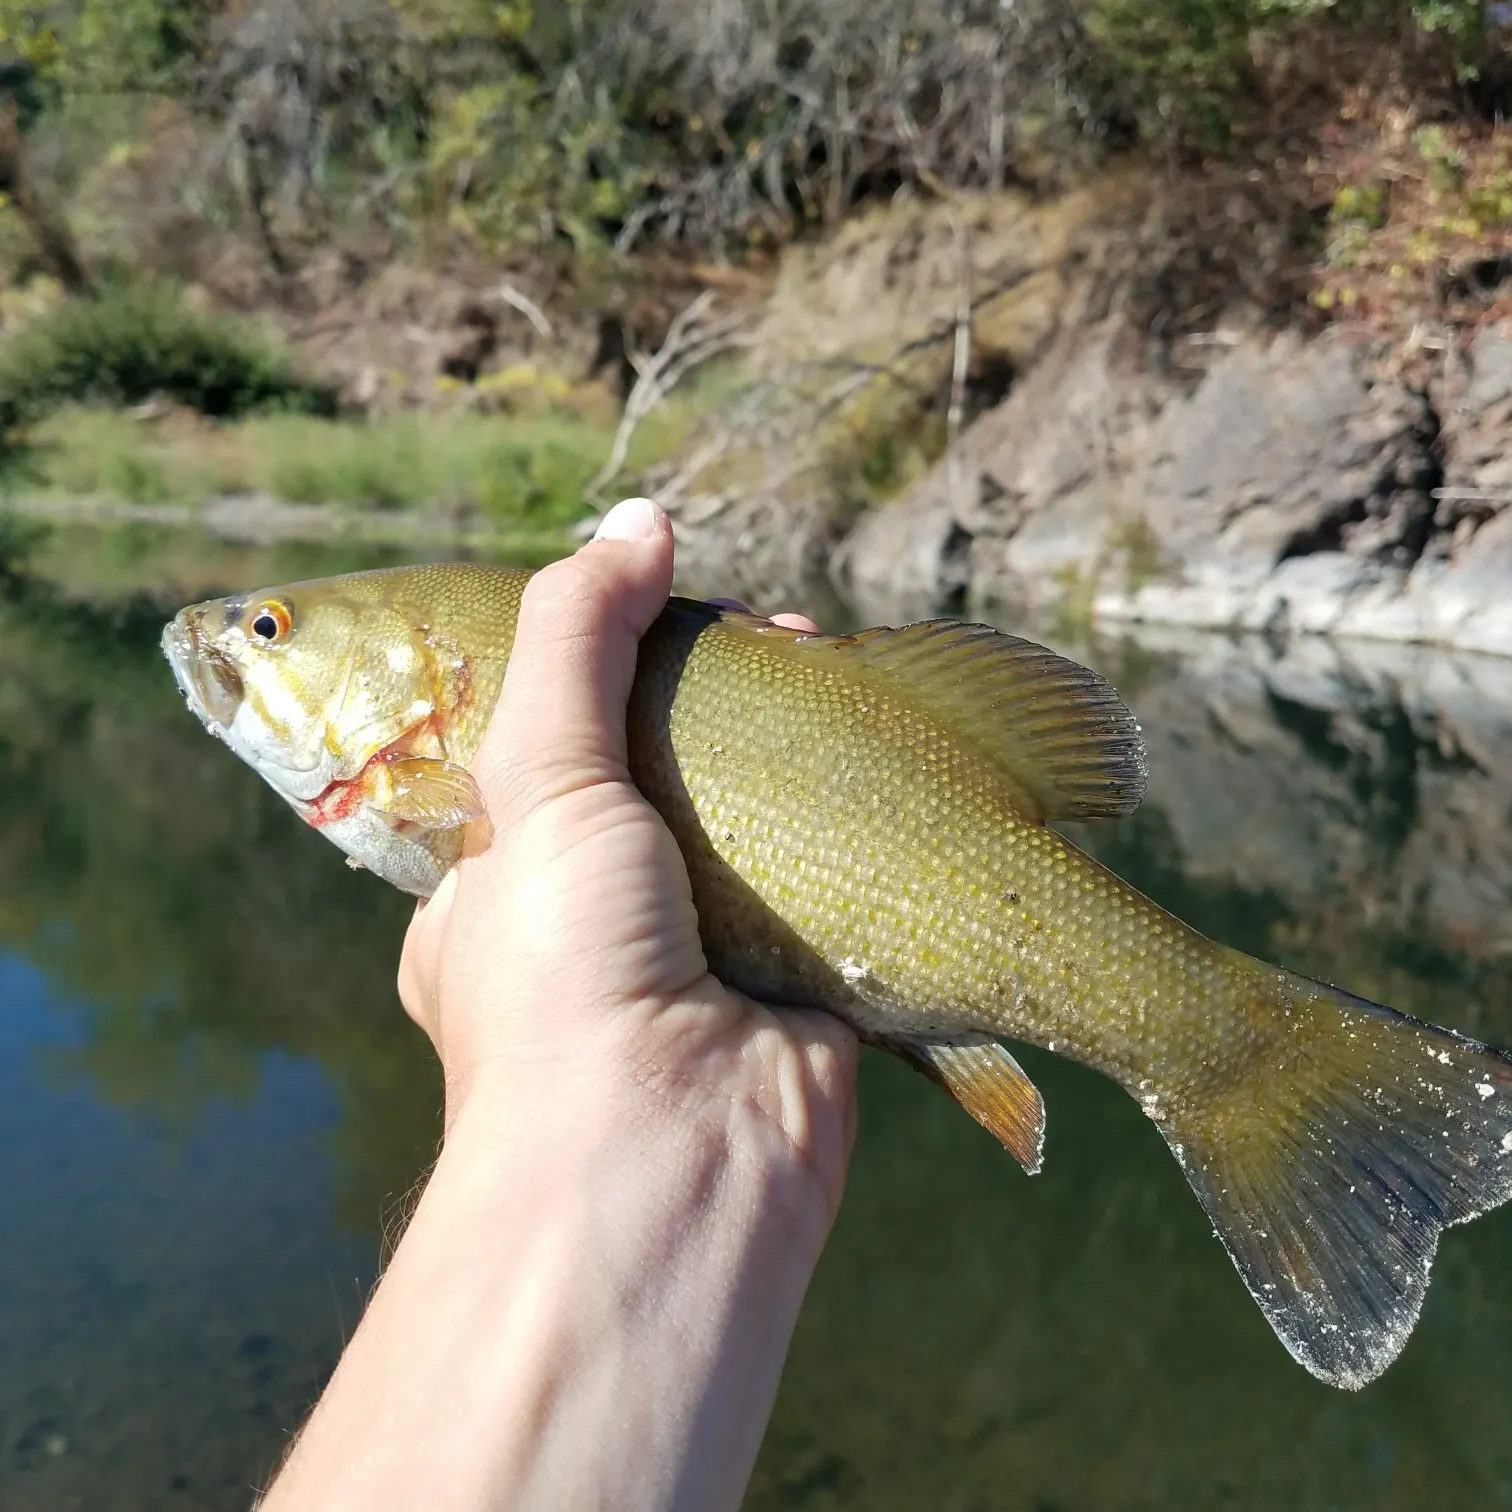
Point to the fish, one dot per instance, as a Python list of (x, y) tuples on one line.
[(868, 826)]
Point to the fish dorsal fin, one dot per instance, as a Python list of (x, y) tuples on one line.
[(1070, 744)]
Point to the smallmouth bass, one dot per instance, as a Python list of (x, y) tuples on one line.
[(864, 822)]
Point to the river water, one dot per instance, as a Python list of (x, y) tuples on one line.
[(212, 1108)]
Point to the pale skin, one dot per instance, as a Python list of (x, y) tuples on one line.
[(593, 1300)]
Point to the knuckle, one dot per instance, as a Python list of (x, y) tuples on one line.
[(568, 596)]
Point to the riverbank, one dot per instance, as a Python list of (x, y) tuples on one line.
[(261, 520), (1243, 369)]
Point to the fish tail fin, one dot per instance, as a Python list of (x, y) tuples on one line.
[(1330, 1173)]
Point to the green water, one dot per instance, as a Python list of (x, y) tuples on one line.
[(211, 1105)]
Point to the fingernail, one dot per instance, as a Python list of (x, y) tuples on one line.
[(629, 520)]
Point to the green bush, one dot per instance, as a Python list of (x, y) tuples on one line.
[(133, 343), (578, 125), (1184, 69)]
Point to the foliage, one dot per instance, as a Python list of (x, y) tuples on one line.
[(584, 125), (105, 45), (602, 121), (1363, 204), (1431, 229), (1186, 67), (520, 472), (130, 344), (613, 120)]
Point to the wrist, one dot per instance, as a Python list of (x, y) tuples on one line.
[(602, 1135), (768, 1108), (656, 1260), (592, 1293)]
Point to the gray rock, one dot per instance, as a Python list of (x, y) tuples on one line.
[(1280, 450), (1490, 371), (1293, 488), (1027, 499), (1476, 403), (901, 551)]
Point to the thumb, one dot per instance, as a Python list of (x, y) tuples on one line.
[(560, 720)]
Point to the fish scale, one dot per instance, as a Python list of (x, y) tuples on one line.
[(924, 911), (864, 823)]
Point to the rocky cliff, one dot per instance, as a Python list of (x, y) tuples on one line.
[(1343, 483)]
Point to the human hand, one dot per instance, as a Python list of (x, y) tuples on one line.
[(594, 1297), (565, 954)]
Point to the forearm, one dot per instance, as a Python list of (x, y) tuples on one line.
[(602, 1325)]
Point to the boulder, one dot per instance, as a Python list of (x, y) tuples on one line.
[(1285, 448)]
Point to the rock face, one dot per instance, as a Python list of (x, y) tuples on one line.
[(1294, 485), (889, 277), (855, 355)]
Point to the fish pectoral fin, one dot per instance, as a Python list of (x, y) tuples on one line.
[(425, 791), (989, 1084)]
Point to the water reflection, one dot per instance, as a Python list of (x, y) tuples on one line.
[(208, 1100), (167, 1304)]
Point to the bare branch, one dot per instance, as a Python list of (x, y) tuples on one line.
[(961, 361), (526, 306), (689, 342)]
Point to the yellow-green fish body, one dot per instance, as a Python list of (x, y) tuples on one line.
[(863, 821)]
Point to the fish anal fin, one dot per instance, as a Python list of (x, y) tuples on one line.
[(1061, 733), (1330, 1181), (424, 791), (989, 1084)]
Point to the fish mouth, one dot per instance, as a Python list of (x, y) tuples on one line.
[(206, 676)]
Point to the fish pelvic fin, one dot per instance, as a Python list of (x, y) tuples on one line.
[(1330, 1178), (989, 1084)]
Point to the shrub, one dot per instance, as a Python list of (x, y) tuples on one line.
[(597, 122), (620, 120), (133, 343), (1184, 69)]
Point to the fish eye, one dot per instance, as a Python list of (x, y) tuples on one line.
[(270, 621)]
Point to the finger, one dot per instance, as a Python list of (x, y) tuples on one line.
[(796, 622), (560, 721), (787, 621)]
